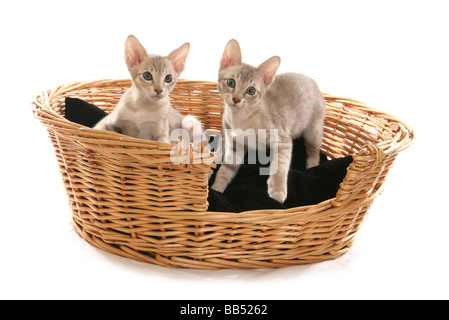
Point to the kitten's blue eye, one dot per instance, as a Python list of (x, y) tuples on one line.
[(168, 78), (230, 83), (147, 76), (251, 91)]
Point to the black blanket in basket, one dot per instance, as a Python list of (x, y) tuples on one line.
[(248, 189)]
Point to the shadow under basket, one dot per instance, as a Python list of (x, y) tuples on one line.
[(129, 198)]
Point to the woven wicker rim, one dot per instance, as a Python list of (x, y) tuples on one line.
[(182, 233)]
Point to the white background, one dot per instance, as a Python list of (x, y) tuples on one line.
[(391, 54)]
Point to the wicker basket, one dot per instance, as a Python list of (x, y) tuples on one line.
[(128, 198)]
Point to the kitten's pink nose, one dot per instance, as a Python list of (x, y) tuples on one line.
[(158, 91), (236, 100)]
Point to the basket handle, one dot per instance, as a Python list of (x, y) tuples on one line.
[(362, 176)]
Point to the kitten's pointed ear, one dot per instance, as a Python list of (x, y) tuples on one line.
[(178, 57), (232, 55), (134, 52), (269, 68)]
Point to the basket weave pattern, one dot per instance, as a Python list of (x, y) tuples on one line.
[(127, 196)]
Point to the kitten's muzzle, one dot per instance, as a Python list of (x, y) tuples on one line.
[(157, 94), (236, 106), (237, 103)]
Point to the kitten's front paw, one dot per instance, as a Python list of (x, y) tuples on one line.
[(276, 191), (278, 195)]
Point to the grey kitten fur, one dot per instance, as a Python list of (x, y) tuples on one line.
[(255, 99), (145, 111)]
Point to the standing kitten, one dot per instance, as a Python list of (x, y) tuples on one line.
[(254, 99), (144, 111)]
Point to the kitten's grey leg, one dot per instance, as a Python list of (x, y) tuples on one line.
[(277, 182), (164, 132), (174, 120), (313, 137), (229, 167), (224, 175)]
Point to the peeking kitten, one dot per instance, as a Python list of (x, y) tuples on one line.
[(144, 111), (254, 99)]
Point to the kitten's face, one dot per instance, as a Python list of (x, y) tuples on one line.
[(154, 76), (241, 85)]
